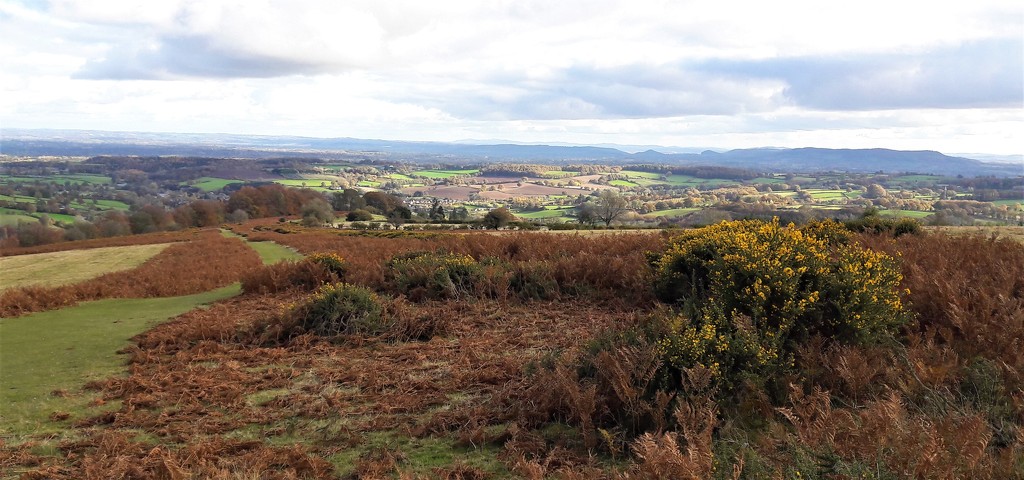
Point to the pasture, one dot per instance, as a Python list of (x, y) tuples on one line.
[(72, 266), (211, 184)]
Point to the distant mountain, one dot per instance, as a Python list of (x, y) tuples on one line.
[(91, 143)]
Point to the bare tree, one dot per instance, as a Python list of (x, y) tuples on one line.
[(610, 205)]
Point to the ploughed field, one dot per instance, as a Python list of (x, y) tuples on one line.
[(523, 355)]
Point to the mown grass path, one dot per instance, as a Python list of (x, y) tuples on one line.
[(72, 266), (46, 358)]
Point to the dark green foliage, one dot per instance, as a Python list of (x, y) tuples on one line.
[(341, 308)]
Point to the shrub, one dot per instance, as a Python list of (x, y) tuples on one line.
[(434, 275), (341, 308), (359, 215), (751, 291), (330, 261)]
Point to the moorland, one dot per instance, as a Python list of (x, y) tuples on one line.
[(763, 325)]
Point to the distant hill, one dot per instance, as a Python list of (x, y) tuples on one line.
[(91, 143)]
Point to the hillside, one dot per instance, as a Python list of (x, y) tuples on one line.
[(87, 143)]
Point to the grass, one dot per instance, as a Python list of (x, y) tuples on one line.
[(1019, 201), (270, 252), (76, 178), (72, 266), (422, 455), (400, 176), (638, 174), (441, 174), (548, 212), (622, 183), (13, 219), (60, 350), (211, 184), (905, 213), (675, 212)]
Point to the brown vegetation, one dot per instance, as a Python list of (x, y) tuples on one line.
[(500, 371), (207, 261)]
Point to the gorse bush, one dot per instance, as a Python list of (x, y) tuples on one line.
[(341, 308), (434, 275), (330, 261), (751, 291)]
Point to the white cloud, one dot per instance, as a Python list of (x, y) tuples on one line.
[(723, 73)]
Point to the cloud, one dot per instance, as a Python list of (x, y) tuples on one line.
[(233, 39), (971, 75)]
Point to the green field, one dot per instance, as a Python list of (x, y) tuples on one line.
[(60, 350), (271, 252), (400, 176), (12, 217), (367, 183), (674, 212), (210, 184), (72, 266), (310, 184), (548, 212), (622, 183), (905, 213), (76, 178), (1009, 202), (638, 174), (442, 174)]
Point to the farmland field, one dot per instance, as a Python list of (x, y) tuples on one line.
[(674, 212), (72, 266), (905, 213), (210, 184), (441, 174)]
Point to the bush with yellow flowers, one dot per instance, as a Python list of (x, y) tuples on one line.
[(330, 261), (750, 291), (434, 274)]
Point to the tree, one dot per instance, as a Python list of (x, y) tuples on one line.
[(347, 200), (609, 206), (359, 215), (875, 191), (498, 218), (317, 212)]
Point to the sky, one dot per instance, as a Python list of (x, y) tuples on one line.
[(903, 74)]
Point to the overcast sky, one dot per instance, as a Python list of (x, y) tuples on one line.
[(904, 74)]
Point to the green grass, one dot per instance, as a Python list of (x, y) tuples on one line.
[(1011, 203), (441, 174), (59, 217), (111, 204), (422, 455), (905, 213), (622, 183), (72, 266), (210, 184), (638, 174), (13, 219), (62, 349), (310, 184), (674, 212), (367, 183), (61, 179), (400, 176), (270, 252), (548, 212)]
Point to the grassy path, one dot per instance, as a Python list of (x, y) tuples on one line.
[(46, 357), (270, 252)]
